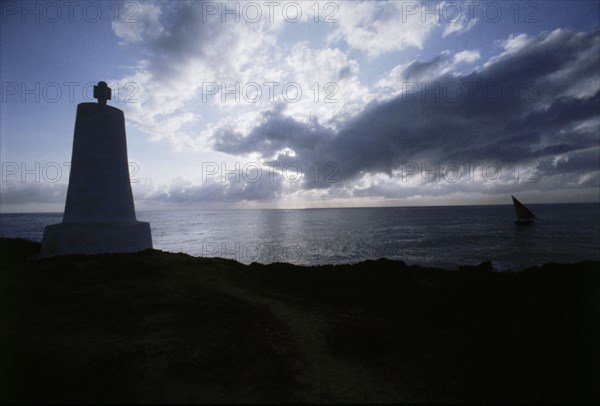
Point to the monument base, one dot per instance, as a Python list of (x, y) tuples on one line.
[(95, 238)]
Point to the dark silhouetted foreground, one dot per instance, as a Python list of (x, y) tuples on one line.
[(157, 327)]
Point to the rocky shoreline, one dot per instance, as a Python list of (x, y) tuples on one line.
[(166, 327)]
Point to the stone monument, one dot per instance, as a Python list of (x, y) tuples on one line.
[(99, 212)]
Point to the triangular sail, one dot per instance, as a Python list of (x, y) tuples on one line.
[(523, 212)]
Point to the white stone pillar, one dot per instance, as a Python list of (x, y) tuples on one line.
[(99, 212)]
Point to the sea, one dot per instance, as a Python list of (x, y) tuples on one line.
[(445, 237)]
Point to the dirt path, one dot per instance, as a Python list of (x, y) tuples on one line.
[(323, 377)]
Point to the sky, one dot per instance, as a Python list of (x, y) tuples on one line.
[(304, 104)]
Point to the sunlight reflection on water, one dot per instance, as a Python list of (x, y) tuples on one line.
[(434, 236)]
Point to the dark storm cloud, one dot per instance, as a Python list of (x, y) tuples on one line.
[(527, 105), (418, 71), (275, 133)]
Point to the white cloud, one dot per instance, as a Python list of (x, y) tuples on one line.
[(146, 24), (185, 51), (516, 42), (329, 80), (180, 50), (416, 72), (466, 57), (459, 27), (401, 76), (380, 27)]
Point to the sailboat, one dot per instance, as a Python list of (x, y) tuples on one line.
[(524, 215)]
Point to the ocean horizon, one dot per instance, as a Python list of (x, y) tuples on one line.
[(440, 236)]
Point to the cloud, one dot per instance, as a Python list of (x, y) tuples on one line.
[(416, 71), (516, 42), (379, 27), (240, 186), (16, 193), (330, 82), (519, 109), (459, 26), (535, 101), (183, 52), (466, 56), (180, 49), (146, 25), (426, 71), (27, 196)]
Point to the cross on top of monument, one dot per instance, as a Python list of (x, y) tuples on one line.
[(102, 92)]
